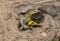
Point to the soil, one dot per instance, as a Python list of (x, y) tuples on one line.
[(10, 13)]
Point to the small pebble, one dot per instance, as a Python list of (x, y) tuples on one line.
[(44, 34)]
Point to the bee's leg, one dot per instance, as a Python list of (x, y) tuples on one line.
[(31, 28), (21, 27)]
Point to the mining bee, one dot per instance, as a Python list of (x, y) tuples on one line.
[(32, 20)]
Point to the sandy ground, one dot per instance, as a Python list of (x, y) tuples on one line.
[(9, 11)]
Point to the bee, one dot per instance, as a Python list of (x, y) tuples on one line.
[(32, 20)]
